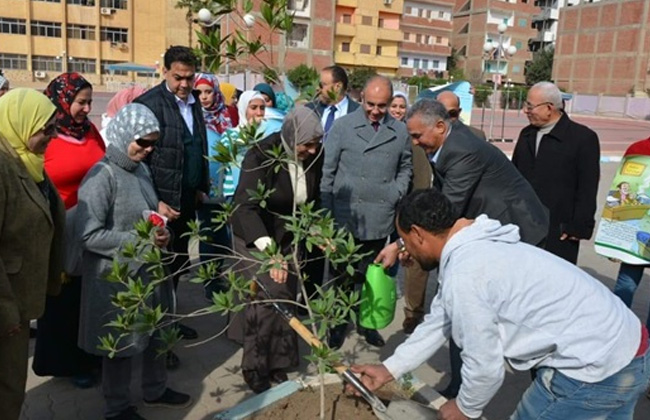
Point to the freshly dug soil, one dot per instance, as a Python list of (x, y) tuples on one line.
[(305, 404)]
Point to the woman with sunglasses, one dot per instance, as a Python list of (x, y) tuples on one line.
[(76, 148), (112, 198), (31, 232)]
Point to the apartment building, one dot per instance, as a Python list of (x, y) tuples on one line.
[(546, 22), (368, 34), (603, 47), (426, 27), (41, 38), (475, 23)]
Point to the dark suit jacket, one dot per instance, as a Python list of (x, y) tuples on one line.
[(319, 107), (565, 175), (478, 178), (250, 221)]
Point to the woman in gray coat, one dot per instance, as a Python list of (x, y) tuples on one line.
[(112, 198)]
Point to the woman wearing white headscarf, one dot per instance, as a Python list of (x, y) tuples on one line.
[(270, 345), (112, 198), (399, 104)]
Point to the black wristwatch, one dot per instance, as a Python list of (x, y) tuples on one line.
[(401, 246)]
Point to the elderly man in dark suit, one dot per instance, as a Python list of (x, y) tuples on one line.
[(561, 160), (478, 179), (332, 102), (367, 169)]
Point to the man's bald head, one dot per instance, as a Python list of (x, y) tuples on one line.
[(376, 96), (450, 102)]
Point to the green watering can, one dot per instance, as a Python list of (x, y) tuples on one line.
[(379, 299)]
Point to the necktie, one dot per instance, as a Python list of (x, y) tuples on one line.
[(330, 118), (375, 125)]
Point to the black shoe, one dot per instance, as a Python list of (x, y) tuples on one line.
[(83, 381), (256, 382), (130, 413), (450, 392), (187, 333), (170, 399), (278, 376), (337, 336), (372, 337), (172, 362), (409, 325)]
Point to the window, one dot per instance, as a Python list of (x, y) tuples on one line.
[(516, 68), (49, 29), (408, 10), (422, 13), (416, 63), (407, 36), (435, 64), (441, 14), (81, 32), (523, 23), (82, 2), (114, 4), (425, 63), (405, 61), (105, 63), (364, 49), (519, 45), (378, 49), (418, 38), (13, 61), (438, 40), (427, 39), (299, 36), (345, 46), (366, 20), (117, 35), (46, 63), (82, 65), (380, 22), (13, 26), (347, 18)]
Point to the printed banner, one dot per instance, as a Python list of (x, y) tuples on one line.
[(624, 229)]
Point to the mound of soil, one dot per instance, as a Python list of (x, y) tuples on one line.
[(305, 404)]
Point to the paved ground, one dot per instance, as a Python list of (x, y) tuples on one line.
[(210, 372)]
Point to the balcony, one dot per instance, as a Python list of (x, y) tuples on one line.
[(344, 58), (347, 3), (346, 29), (367, 60), (544, 36), (547, 14), (390, 35), (413, 47)]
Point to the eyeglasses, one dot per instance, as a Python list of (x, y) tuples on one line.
[(529, 107), (145, 143), (50, 129)]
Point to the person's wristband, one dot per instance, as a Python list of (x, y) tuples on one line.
[(401, 246)]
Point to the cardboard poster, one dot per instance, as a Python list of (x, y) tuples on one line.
[(624, 229)]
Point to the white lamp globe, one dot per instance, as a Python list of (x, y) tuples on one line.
[(205, 15), (249, 20), (512, 50), (495, 44), (487, 47), (502, 27)]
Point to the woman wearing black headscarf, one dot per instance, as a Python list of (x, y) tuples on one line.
[(270, 345)]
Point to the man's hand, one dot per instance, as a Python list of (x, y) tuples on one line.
[(450, 411), (279, 275), (389, 255), (13, 330), (565, 236), (167, 211), (372, 376), (161, 237)]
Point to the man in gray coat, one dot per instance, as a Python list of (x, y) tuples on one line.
[(367, 169)]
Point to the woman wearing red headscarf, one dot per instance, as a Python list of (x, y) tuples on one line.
[(70, 155)]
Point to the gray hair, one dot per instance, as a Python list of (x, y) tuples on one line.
[(550, 93), (430, 111), (379, 78)]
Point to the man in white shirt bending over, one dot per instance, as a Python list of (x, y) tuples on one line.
[(500, 298)]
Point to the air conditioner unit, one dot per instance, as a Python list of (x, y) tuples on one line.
[(106, 11), (40, 74), (388, 2)]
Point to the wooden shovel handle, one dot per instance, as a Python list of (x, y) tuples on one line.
[(312, 340)]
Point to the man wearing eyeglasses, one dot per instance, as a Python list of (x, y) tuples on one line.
[(561, 160), (332, 102), (366, 170)]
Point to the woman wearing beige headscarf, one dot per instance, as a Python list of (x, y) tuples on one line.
[(31, 229), (270, 345)]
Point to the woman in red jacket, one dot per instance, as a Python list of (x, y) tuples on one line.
[(70, 155)]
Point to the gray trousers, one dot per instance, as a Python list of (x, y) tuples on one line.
[(13, 375), (116, 379)]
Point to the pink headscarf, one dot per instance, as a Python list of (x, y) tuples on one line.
[(122, 98)]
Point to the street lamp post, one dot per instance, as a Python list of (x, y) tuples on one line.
[(207, 20), (498, 48)]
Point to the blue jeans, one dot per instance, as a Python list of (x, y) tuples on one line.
[(629, 277), (555, 396)]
